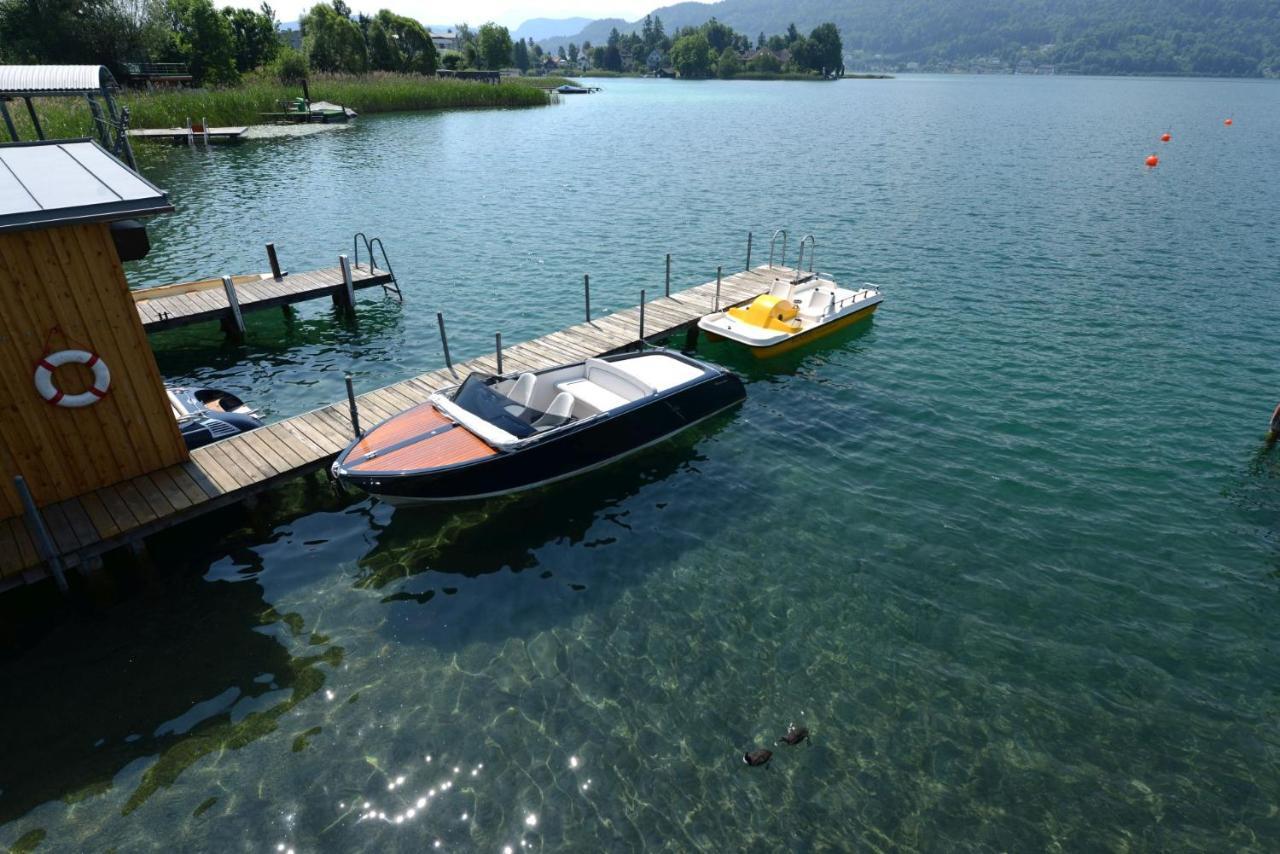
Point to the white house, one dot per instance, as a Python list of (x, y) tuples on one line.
[(446, 40)]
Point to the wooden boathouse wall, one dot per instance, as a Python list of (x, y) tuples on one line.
[(64, 288)]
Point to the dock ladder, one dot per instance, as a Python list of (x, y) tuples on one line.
[(391, 287)]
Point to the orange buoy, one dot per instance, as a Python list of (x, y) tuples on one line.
[(1165, 137), (1228, 122), (1153, 161)]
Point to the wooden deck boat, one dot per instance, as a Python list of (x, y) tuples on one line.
[(494, 435), (792, 314)]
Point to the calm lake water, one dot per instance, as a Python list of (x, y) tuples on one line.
[(1011, 551)]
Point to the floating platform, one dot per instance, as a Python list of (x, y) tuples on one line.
[(171, 306), (237, 468), (183, 136)]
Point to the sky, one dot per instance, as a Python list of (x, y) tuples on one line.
[(508, 13)]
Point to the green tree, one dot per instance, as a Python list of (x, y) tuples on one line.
[(826, 52), (332, 41), (765, 62), (598, 56), (691, 55), (573, 52), (398, 43), (290, 66), (612, 58), (729, 63), (494, 45), (202, 37), (520, 55), (256, 36)]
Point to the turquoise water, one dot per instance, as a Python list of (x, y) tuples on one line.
[(1009, 550)]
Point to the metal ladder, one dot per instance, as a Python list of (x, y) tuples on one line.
[(391, 287)]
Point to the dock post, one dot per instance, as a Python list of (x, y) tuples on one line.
[(204, 130), (691, 339), (351, 405), (716, 307), (642, 318), (275, 262), (350, 293), (497, 336), (190, 134), (444, 340), (43, 541), (748, 251), (586, 293), (234, 301), (668, 291)]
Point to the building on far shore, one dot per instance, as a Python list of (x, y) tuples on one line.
[(444, 40)]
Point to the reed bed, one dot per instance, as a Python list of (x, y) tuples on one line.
[(244, 104)]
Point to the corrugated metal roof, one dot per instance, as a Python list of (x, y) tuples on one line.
[(52, 79), (55, 183)]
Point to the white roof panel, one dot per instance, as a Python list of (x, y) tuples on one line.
[(21, 79), (53, 183)]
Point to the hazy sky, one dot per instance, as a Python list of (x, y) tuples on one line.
[(510, 13)]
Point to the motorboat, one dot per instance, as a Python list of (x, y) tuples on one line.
[(793, 313), (206, 415), (494, 435), (568, 89)]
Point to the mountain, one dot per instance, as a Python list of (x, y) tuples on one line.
[(1208, 37), (548, 28)]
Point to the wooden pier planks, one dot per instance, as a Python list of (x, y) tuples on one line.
[(172, 306), (231, 470)]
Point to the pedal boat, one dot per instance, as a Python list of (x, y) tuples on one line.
[(792, 314), (494, 435)]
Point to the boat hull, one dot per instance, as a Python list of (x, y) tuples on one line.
[(800, 339), (573, 452)]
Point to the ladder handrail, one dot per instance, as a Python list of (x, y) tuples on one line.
[(773, 240), (812, 251), (370, 247), (355, 249)]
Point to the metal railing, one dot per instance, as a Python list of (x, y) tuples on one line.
[(783, 261), (369, 246)]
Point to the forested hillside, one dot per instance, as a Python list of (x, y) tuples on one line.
[(1208, 37)]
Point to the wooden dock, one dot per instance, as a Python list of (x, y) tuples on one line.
[(188, 135), (237, 468), (171, 306)]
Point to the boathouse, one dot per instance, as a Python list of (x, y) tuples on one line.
[(83, 404)]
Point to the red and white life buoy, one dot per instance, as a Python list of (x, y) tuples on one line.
[(50, 392)]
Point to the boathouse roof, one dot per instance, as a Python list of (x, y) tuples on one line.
[(24, 80), (45, 184)]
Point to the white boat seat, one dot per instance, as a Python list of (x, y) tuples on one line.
[(558, 413), (594, 396), (521, 394), (781, 288), (612, 378), (817, 304)]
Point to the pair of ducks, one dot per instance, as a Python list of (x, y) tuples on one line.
[(794, 735)]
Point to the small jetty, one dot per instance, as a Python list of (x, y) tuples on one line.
[(191, 134), (229, 298), (80, 529)]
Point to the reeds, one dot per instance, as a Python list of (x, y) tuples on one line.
[(246, 103)]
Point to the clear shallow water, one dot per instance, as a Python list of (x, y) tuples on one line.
[(1010, 550)]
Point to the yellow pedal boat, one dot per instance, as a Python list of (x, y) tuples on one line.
[(792, 314)]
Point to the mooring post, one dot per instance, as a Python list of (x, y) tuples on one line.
[(642, 318), (204, 129), (345, 263), (716, 307), (43, 540), (191, 139), (275, 262), (691, 339), (497, 337), (748, 251), (586, 293), (234, 301), (668, 291), (351, 405), (444, 340)]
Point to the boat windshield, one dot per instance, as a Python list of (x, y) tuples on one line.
[(477, 397)]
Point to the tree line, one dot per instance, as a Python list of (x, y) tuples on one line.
[(713, 49)]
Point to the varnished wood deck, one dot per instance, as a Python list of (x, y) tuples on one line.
[(170, 306), (236, 468)]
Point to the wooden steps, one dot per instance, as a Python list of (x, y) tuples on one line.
[(236, 468)]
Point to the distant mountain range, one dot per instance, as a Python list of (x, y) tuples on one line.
[(1206, 37), (548, 28)]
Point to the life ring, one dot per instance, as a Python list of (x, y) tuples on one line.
[(51, 393)]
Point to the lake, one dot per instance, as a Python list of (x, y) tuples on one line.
[(1010, 550)]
